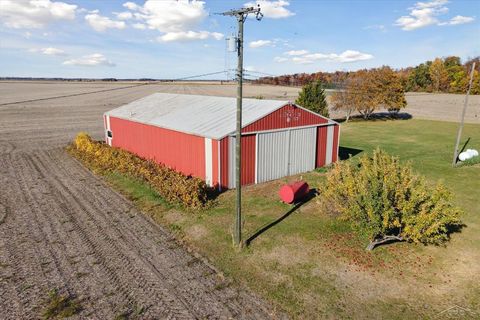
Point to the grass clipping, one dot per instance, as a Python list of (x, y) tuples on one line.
[(386, 201), (171, 185)]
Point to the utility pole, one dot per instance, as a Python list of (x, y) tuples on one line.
[(241, 15), (460, 128)]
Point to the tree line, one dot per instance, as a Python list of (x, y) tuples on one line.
[(448, 75)]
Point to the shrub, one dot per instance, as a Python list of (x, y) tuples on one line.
[(386, 201), (171, 185)]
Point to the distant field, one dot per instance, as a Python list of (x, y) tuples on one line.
[(445, 107)]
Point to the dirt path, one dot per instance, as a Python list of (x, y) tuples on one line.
[(63, 228)]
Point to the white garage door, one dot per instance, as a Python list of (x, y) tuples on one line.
[(285, 153)]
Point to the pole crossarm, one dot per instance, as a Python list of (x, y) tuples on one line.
[(241, 14)]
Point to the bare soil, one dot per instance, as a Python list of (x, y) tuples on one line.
[(63, 228)]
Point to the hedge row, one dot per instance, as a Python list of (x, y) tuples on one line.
[(173, 186)]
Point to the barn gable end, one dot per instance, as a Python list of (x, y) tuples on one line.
[(288, 116)]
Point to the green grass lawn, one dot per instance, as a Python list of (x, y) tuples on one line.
[(312, 266)]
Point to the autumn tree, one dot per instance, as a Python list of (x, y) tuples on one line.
[(369, 90), (312, 97), (439, 75), (391, 89), (343, 99)]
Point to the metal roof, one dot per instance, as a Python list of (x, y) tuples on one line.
[(206, 116)]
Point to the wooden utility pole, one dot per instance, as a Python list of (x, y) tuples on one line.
[(241, 15), (460, 128)]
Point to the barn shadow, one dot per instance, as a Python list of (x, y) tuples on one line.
[(311, 194), (346, 152)]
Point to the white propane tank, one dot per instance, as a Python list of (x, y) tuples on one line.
[(472, 152), (464, 156)]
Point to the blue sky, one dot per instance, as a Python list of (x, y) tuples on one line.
[(173, 39)]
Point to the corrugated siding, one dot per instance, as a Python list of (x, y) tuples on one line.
[(272, 155), (224, 162), (288, 116), (180, 151), (215, 162), (321, 146), (208, 162), (335, 143), (302, 150), (329, 152), (248, 160)]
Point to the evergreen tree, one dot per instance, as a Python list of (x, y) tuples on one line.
[(312, 97)]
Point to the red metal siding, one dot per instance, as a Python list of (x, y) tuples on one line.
[(215, 163), (180, 151), (335, 143), (321, 146), (286, 117), (224, 163), (248, 159)]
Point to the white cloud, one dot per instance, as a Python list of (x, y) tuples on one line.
[(280, 59), (100, 23), (457, 20), (126, 15), (272, 9), (296, 52), (350, 56), (34, 14), (50, 51), (424, 14), (380, 27), (169, 15), (139, 26), (91, 60), (301, 56), (303, 60), (189, 36), (176, 20), (260, 43), (131, 5)]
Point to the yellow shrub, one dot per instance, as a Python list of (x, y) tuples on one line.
[(171, 185), (383, 198)]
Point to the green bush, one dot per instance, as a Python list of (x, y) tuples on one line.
[(386, 201), (171, 185)]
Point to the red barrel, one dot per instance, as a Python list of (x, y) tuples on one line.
[(292, 192)]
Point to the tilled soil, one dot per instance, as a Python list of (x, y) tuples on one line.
[(63, 228)]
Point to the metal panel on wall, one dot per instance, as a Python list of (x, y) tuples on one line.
[(231, 162), (302, 150), (248, 160), (329, 152), (272, 158)]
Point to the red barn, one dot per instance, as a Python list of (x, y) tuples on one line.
[(196, 135)]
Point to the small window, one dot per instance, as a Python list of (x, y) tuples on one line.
[(109, 134)]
